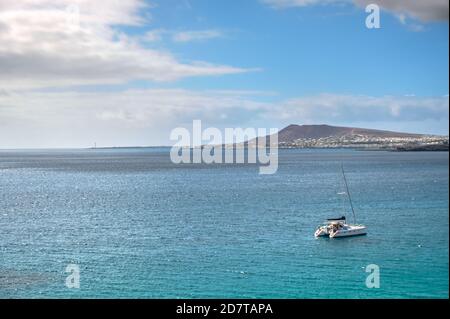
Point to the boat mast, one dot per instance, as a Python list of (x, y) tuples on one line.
[(348, 193)]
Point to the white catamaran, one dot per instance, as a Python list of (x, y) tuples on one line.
[(338, 227)]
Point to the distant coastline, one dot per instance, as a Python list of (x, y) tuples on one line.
[(335, 137), (124, 147), (424, 148)]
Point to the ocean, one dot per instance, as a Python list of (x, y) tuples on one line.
[(138, 226)]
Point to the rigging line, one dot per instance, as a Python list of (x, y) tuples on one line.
[(348, 193)]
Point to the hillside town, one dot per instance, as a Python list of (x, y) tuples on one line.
[(370, 142)]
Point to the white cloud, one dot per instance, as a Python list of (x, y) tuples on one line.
[(154, 35), (182, 36), (146, 117), (335, 108), (188, 36), (143, 117), (429, 10), (296, 3), (46, 43)]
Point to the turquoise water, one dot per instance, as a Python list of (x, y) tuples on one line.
[(139, 226)]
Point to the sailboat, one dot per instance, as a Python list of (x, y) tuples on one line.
[(338, 227)]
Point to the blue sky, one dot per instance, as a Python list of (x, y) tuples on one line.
[(127, 73), (309, 50)]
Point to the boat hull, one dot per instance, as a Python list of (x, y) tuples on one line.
[(321, 232), (351, 231)]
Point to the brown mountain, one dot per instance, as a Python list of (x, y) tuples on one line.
[(294, 132)]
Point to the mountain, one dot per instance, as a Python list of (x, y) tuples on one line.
[(294, 132), (327, 136)]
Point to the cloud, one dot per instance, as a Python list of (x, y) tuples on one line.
[(142, 117), (74, 42), (335, 108), (279, 4), (154, 35), (188, 36), (425, 11), (182, 36), (146, 117)]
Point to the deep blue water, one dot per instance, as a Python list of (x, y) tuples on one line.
[(139, 226)]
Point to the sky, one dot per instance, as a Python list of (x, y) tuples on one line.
[(126, 73)]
